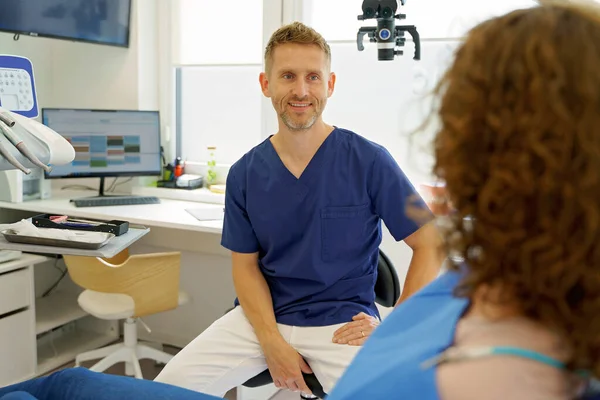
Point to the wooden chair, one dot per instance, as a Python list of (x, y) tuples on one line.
[(127, 287)]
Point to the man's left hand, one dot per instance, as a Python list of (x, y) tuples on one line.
[(355, 333)]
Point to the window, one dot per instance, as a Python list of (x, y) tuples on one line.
[(337, 19), (218, 57), (218, 49), (386, 101), (219, 106), (220, 32), (452, 19), (334, 19)]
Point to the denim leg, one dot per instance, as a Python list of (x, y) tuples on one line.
[(83, 384), (18, 396)]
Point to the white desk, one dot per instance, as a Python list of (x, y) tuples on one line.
[(167, 214), (205, 265)]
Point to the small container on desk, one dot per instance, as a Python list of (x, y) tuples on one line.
[(187, 182), (115, 227)]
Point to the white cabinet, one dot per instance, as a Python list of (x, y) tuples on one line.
[(40, 335), (17, 347), (15, 290), (17, 320)]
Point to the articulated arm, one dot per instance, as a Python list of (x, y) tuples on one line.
[(24, 142), (28, 144)]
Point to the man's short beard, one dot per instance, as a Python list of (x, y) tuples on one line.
[(298, 127)]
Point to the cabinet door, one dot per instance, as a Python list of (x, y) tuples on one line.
[(17, 347), (14, 290)]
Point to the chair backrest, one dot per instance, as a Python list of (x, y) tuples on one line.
[(152, 280), (387, 287)]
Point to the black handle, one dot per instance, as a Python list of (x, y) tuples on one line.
[(417, 40), (361, 35), (415, 36)]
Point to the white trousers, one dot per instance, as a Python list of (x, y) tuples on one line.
[(227, 354)]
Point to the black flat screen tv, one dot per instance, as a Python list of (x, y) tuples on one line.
[(94, 21)]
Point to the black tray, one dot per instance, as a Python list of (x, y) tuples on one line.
[(115, 227)]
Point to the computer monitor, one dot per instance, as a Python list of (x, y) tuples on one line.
[(107, 143)]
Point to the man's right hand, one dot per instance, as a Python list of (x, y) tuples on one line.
[(286, 366)]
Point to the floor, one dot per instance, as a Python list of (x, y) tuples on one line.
[(150, 370)]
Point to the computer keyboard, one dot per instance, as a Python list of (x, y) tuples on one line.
[(115, 201)]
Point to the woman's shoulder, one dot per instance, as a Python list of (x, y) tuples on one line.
[(513, 375), (504, 377)]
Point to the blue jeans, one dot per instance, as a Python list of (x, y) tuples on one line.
[(82, 384)]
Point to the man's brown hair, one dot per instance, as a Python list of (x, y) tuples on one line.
[(298, 33)]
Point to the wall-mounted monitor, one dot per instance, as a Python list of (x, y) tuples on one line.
[(94, 21)]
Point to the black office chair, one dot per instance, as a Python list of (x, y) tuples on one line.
[(387, 293)]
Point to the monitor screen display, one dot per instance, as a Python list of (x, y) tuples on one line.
[(107, 143), (97, 21)]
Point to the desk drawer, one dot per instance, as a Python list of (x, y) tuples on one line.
[(14, 290), (17, 347)]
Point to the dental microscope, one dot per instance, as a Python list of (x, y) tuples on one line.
[(388, 36)]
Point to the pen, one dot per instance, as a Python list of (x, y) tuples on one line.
[(86, 221), (77, 225), (11, 159), (20, 145), (4, 117)]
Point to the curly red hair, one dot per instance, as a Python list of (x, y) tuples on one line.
[(519, 150)]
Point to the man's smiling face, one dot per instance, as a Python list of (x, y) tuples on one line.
[(299, 83)]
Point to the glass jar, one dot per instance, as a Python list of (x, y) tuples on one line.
[(211, 170)]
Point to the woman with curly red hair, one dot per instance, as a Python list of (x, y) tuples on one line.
[(519, 151)]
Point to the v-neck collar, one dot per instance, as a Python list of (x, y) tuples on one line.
[(313, 168)]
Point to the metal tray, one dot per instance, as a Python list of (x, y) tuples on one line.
[(11, 236)]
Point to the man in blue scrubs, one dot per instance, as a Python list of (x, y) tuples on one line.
[(303, 216)]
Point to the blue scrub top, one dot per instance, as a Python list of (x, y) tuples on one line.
[(318, 236)]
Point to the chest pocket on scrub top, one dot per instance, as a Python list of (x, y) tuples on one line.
[(344, 231)]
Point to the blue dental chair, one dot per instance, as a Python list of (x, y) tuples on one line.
[(387, 293)]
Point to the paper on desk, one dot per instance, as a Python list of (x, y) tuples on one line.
[(26, 228), (207, 213)]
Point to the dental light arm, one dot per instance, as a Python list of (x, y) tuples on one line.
[(386, 34), (24, 142)]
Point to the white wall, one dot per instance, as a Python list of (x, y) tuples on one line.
[(73, 74)]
